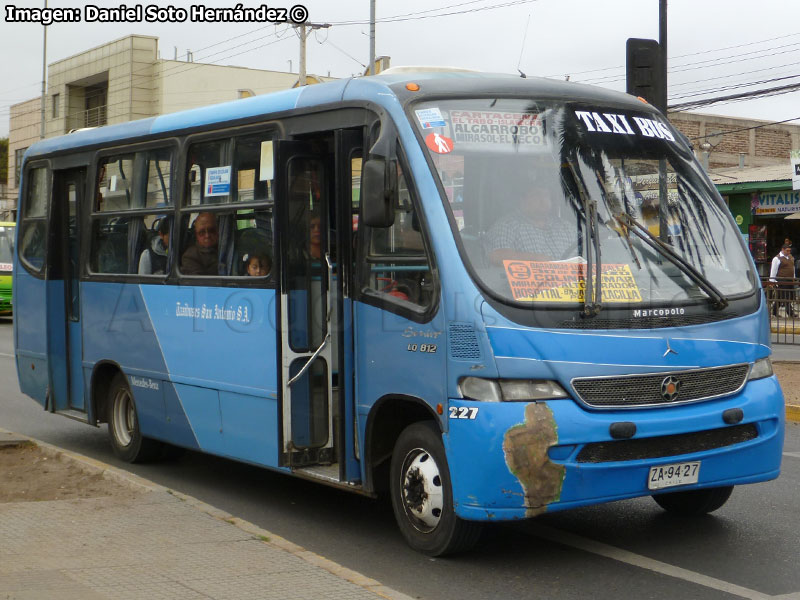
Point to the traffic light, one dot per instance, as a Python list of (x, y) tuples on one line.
[(644, 72)]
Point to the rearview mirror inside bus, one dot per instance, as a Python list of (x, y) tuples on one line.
[(377, 192)]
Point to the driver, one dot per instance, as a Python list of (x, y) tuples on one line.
[(532, 230)]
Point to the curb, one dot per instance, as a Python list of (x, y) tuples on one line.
[(792, 410), (125, 478)]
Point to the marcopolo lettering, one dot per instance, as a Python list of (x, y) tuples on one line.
[(659, 312)]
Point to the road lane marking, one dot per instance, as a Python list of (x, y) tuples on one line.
[(7, 355), (792, 454), (637, 560)]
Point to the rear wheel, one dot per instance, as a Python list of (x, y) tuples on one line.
[(123, 425), (422, 494), (694, 502)]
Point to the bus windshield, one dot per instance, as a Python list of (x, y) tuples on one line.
[(550, 195)]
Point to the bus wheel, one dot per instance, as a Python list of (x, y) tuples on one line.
[(422, 495), (123, 425), (694, 502)]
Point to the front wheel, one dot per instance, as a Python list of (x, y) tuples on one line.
[(123, 425), (692, 503), (422, 494)]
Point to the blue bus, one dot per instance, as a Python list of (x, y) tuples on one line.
[(489, 297)]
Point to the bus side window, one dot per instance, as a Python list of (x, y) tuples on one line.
[(128, 182), (34, 220), (397, 264)]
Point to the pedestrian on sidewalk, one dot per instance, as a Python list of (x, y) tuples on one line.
[(781, 277)]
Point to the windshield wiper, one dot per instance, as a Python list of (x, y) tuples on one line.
[(592, 294), (718, 299)]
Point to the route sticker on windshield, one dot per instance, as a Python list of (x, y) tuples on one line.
[(439, 143), (430, 118), (534, 281)]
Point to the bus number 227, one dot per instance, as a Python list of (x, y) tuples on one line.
[(463, 412)]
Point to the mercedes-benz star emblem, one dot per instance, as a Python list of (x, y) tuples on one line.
[(670, 388), (669, 349)]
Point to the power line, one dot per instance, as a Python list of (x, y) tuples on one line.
[(416, 16), (776, 91), (622, 67), (734, 86)]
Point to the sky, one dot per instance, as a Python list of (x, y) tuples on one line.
[(714, 46)]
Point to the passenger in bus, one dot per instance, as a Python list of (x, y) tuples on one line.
[(153, 260), (202, 257), (258, 265), (532, 230), (315, 237)]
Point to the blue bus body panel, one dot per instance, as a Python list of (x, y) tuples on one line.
[(99, 135), (385, 364), (201, 362), (30, 334)]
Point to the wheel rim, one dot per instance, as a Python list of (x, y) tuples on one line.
[(124, 415), (421, 490)]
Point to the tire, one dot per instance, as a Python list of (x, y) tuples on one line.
[(123, 425), (422, 494), (693, 503)]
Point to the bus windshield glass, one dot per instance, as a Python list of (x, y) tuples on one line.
[(548, 196)]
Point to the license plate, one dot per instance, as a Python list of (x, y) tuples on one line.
[(671, 475)]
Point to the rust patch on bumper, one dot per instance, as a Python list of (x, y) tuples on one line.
[(525, 447)]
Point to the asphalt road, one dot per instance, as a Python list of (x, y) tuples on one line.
[(748, 549)]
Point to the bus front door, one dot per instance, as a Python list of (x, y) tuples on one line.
[(65, 351), (306, 307)]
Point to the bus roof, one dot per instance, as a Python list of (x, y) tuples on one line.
[(380, 89)]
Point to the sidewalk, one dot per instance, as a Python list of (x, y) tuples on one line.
[(151, 543), (789, 353)]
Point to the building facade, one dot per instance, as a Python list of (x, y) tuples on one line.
[(722, 142), (122, 81), (764, 206)]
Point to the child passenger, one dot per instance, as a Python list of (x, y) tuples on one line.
[(258, 265)]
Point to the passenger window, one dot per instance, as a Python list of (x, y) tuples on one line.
[(125, 243), (115, 183), (397, 265), (158, 169), (209, 173), (131, 244), (254, 166), (36, 198), (227, 243), (135, 180), (33, 234), (228, 171)]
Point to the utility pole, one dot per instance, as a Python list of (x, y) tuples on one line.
[(372, 37), (44, 75), (301, 27)]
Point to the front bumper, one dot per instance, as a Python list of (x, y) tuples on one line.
[(517, 460)]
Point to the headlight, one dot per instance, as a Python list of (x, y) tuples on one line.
[(760, 369), (510, 390)]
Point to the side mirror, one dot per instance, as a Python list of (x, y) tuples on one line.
[(378, 185)]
